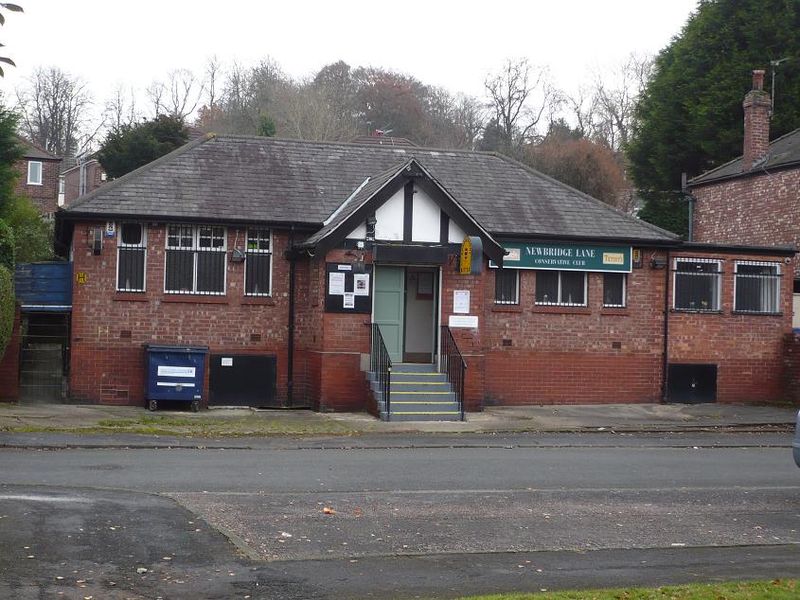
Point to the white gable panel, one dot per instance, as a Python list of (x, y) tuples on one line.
[(455, 234), (359, 233), (425, 218), (389, 218)]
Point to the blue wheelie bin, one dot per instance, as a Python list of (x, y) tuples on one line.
[(175, 373)]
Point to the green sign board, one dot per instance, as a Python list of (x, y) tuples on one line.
[(567, 257)]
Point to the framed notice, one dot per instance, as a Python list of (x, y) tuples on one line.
[(461, 301), (346, 291)]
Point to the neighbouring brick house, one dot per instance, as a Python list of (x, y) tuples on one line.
[(38, 176), (755, 198), (301, 265), (80, 179)]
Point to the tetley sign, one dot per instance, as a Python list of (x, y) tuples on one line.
[(567, 257)]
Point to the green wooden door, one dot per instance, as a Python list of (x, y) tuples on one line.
[(390, 308)]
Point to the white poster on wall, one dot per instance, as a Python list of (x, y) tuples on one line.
[(336, 284), (349, 300), (461, 301), (361, 284)]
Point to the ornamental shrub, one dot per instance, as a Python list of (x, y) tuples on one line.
[(6, 307), (6, 246)]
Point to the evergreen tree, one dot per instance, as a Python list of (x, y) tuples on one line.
[(132, 146)]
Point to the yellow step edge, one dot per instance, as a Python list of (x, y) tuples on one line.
[(422, 402), (455, 412), (420, 383), (420, 373), (422, 393)]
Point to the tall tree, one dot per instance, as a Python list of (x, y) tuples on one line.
[(689, 118), (10, 152), (133, 146), (54, 107), (520, 98)]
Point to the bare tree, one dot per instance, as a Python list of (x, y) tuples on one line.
[(178, 96), (520, 96), (616, 96), (304, 111), (212, 81), (55, 111), (469, 116), (120, 109)]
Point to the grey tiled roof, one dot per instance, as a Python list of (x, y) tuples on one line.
[(31, 150), (783, 152), (257, 179)]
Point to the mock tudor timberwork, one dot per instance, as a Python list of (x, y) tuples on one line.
[(346, 208)]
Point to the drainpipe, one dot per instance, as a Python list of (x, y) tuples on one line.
[(665, 353), (290, 344)]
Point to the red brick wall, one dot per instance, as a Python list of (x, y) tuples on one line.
[(567, 355), (108, 366), (791, 366), (761, 210), (44, 196), (72, 180), (748, 349), (9, 364)]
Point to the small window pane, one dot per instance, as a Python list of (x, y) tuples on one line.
[(211, 272), (614, 289), (757, 288), (547, 287), (572, 287), (697, 285), (258, 274), (131, 234), (258, 240), (506, 286), (130, 271), (180, 270), (35, 172), (180, 236)]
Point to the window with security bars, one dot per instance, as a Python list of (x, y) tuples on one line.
[(757, 287), (258, 263), (506, 286), (131, 256), (561, 288), (195, 262), (697, 284), (614, 290)]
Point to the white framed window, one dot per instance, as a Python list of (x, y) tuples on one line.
[(696, 284), (131, 257), (258, 263), (615, 290), (195, 261), (34, 172), (757, 287), (506, 286), (561, 288)]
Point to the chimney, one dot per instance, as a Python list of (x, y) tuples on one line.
[(757, 109)]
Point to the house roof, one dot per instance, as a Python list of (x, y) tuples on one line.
[(31, 150), (783, 152), (270, 180)]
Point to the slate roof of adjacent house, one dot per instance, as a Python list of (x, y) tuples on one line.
[(783, 152), (269, 180), (31, 150)]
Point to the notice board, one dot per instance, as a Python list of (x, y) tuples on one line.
[(347, 291)]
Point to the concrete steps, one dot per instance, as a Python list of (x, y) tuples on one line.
[(417, 393)]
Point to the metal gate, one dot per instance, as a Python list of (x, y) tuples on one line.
[(44, 357)]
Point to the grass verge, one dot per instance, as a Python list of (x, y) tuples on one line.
[(779, 589)]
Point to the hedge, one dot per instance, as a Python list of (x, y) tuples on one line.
[(6, 307), (6, 246)]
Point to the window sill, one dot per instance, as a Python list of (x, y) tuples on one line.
[(33, 183), (562, 310), (130, 297), (696, 311), (258, 301), (507, 308), (746, 313), (195, 299), (620, 311)]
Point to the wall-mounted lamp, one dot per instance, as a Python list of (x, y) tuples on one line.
[(371, 222), (237, 255)]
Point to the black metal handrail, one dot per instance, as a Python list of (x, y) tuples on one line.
[(381, 365), (453, 365)]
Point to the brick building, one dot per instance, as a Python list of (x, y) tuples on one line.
[(312, 265), (80, 179), (38, 177), (755, 198)]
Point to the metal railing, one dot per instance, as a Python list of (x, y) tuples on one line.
[(381, 365), (452, 364)]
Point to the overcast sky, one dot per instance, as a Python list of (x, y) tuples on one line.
[(449, 43)]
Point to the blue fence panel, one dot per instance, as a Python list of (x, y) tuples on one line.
[(44, 286)]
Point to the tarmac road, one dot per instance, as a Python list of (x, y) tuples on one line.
[(407, 521)]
